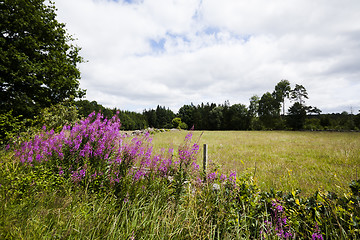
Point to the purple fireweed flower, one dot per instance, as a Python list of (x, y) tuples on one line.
[(279, 222), (77, 176), (232, 177), (38, 157), (195, 148), (138, 175), (199, 181), (317, 234), (211, 176), (196, 166), (223, 177), (188, 136)]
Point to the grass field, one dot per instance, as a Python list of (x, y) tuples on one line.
[(78, 184), (282, 160)]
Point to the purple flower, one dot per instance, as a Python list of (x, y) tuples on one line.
[(232, 176), (278, 222), (199, 181), (188, 136), (211, 176), (317, 234), (223, 177), (138, 175)]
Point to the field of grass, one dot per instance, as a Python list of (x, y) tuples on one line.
[(284, 160), (89, 181)]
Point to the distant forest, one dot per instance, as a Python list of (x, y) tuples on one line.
[(267, 112), (221, 117)]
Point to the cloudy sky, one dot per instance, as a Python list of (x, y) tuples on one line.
[(144, 53)]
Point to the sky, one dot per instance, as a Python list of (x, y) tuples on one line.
[(144, 53)]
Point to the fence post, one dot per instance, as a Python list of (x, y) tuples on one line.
[(205, 158)]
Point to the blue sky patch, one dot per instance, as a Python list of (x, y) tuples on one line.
[(212, 30), (158, 45)]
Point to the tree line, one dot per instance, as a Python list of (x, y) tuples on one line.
[(267, 112)]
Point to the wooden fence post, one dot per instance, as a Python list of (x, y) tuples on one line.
[(205, 158)]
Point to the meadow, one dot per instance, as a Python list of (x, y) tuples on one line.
[(91, 181), (287, 160)]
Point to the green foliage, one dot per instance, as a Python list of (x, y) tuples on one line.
[(177, 123), (299, 93), (254, 106), (313, 124), (239, 119), (297, 116), (85, 108), (56, 116), (10, 126), (19, 182), (159, 118), (282, 91), (269, 112), (129, 120), (38, 66)]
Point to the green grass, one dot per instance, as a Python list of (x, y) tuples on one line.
[(38, 204), (285, 160)]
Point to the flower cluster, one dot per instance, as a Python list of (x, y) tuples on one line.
[(317, 234), (94, 149), (278, 222), (221, 178)]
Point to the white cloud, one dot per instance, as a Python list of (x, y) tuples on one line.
[(174, 52)]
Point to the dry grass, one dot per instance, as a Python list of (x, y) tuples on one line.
[(284, 160)]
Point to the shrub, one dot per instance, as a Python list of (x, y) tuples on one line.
[(10, 126)]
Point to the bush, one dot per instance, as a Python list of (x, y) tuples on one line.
[(56, 116), (10, 126), (177, 123)]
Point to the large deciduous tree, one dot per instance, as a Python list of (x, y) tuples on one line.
[(38, 63), (269, 110), (254, 106)]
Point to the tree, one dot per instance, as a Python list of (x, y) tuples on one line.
[(269, 110), (239, 117), (313, 110), (297, 115), (299, 93), (254, 106), (38, 65), (150, 116), (177, 123), (216, 118), (282, 91), (186, 113)]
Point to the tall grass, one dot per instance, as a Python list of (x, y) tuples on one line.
[(286, 160), (91, 182)]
